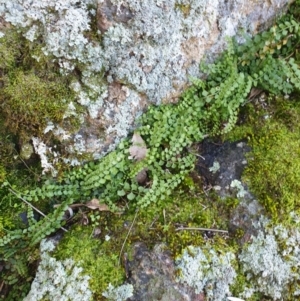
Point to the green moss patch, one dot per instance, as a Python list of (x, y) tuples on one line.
[(273, 171), (177, 221), (98, 258), (29, 102)]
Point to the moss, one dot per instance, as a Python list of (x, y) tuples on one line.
[(184, 8), (98, 258), (29, 102), (185, 208), (10, 50), (2, 173), (240, 285), (33, 92), (273, 170), (5, 223)]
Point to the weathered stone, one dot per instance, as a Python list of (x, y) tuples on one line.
[(134, 62), (108, 14), (145, 53), (152, 273), (231, 161)]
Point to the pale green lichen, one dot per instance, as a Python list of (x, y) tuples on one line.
[(58, 280), (207, 271), (120, 293), (215, 167), (241, 192), (26, 151), (271, 261)]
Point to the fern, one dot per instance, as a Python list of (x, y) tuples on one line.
[(209, 107)]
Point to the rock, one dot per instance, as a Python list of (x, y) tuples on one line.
[(143, 53), (232, 161), (152, 273), (109, 14), (153, 47)]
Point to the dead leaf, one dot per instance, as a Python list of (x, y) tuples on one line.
[(94, 204), (142, 176), (138, 150), (254, 93)]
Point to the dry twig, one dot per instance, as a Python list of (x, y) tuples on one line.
[(202, 229), (127, 235)]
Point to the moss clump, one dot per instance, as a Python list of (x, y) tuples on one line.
[(2, 173), (184, 8), (33, 91), (10, 50), (99, 259), (29, 102), (273, 171)]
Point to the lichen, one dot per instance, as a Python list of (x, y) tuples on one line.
[(262, 262), (98, 258), (58, 280), (215, 167), (120, 293), (241, 192), (271, 261), (207, 271)]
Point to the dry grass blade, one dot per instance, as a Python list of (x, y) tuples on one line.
[(127, 236)]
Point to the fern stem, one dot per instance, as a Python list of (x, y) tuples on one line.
[(34, 208)]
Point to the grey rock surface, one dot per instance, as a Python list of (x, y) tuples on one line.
[(231, 162), (230, 157), (143, 53), (153, 47), (152, 273)]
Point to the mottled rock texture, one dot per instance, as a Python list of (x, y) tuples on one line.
[(153, 47), (231, 159), (143, 52), (152, 274)]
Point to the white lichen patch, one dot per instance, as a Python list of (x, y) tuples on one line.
[(207, 271), (120, 293), (241, 192), (215, 167), (271, 262), (261, 260), (45, 152), (58, 280)]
